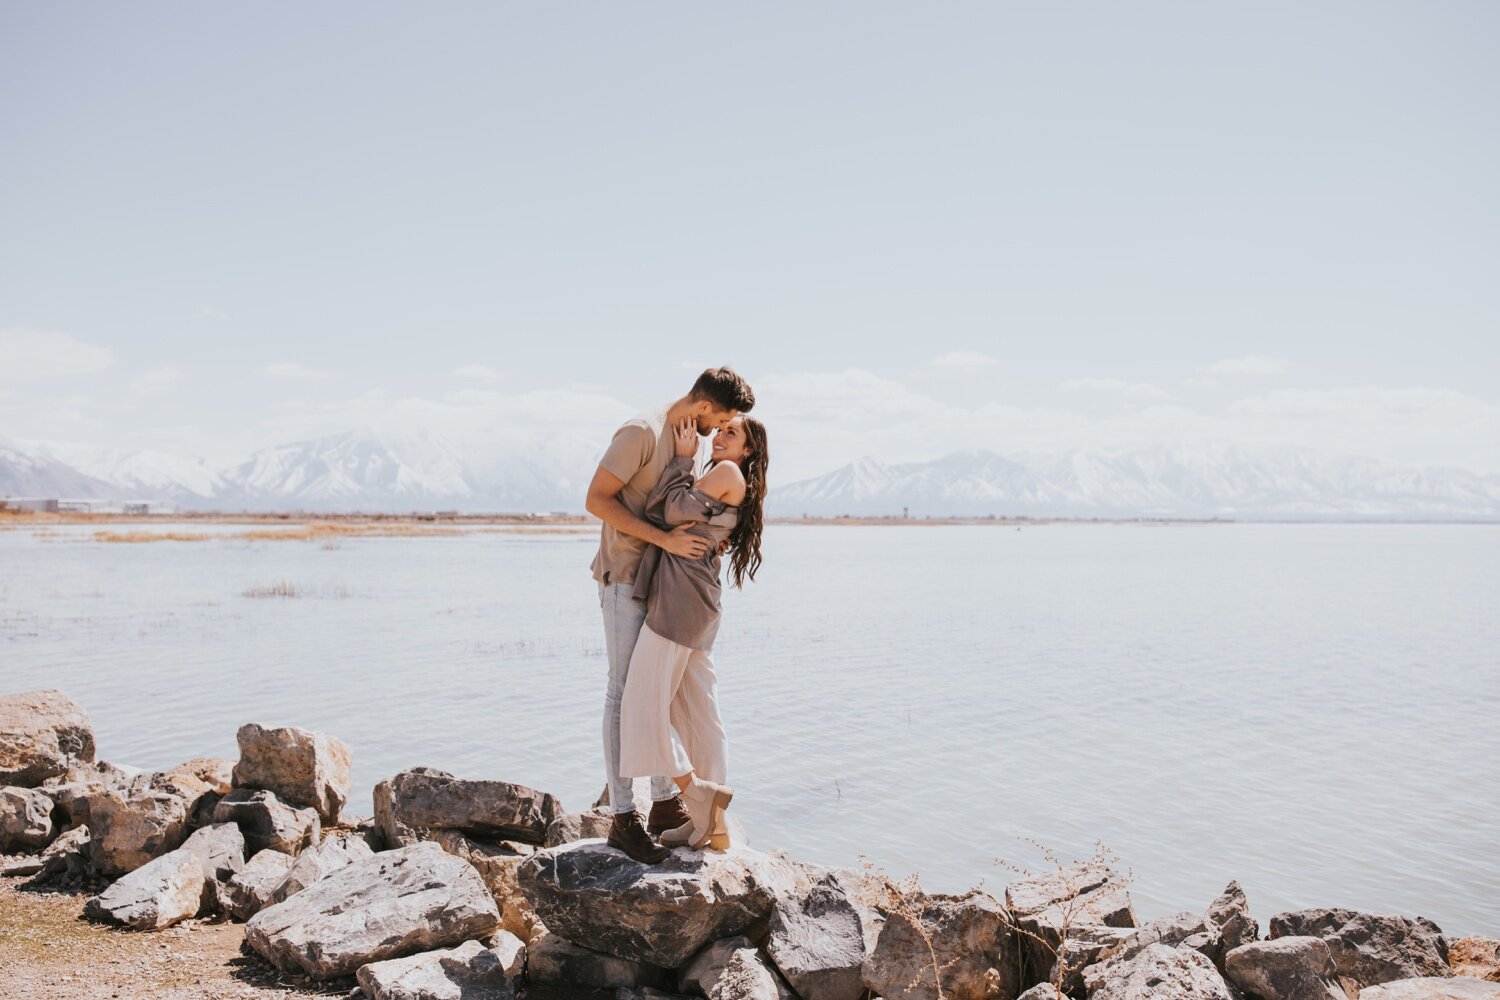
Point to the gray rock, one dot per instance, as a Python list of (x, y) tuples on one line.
[(572, 827), (821, 933), (498, 863), (511, 951), (1042, 991), (552, 960), (42, 734), (645, 993), (428, 798), (1079, 952), (24, 865), (469, 972), (662, 914), (1178, 930), (1434, 988), (130, 828), (267, 822), (1229, 916), (974, 948), (1289, 968), (1475, 956), (303, 768), (1082, 894), (1159, 972), (25, 820), (69, 853), (734, 970), (393, 832), (1370, 948), (398, 902), (253, 887), (160, 893), (221, 849), (70, 791), (319, 862)]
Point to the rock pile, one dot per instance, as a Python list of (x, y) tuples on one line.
[(487, 890)]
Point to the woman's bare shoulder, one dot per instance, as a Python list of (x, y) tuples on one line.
[(724, 481)]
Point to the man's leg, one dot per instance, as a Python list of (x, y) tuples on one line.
[(623, 618)]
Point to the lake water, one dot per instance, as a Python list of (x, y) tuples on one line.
[(1309, 709)]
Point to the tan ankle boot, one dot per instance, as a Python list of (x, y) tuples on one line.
[(705, 803)]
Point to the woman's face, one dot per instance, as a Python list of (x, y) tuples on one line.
[(729, 443)]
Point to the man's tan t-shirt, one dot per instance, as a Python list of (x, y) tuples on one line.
[(639, 452)]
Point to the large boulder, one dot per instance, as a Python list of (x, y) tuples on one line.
[(1083, 894), (591, 892), (966, 941), (130, 828), (158, 894), (1475, 956), (1229, 917), (303, 768), (71, 790), (393, 904), (822, 931), (428, 798), (42, 734), (25, 820), (471, 971), (1159, 972), (392, 832), (220, 848), (734, 970), (1177, 930), (1370, 948), (571, 827), (499, 864), (1288, 968), (319, 862), (253, 887), (1434, 988), (269, 824), (554, 961)]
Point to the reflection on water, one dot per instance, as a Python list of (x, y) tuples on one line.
[(1309, 709)]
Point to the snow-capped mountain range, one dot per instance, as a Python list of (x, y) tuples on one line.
[(378, 471)]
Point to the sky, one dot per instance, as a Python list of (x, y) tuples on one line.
[(915, 228)]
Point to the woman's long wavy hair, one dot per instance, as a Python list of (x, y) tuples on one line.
[(744, 539)]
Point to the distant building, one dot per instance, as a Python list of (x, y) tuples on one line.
[(46, 504), (87, 506)]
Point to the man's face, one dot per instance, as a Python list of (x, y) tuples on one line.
[(712, 419)]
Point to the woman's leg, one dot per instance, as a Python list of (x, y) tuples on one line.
[(695, 717), (648, 745)]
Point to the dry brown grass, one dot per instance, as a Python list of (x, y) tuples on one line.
[(282, 588)]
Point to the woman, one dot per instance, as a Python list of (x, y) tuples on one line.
[(669, 716)]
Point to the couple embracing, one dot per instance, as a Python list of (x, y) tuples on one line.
[(665, 531)]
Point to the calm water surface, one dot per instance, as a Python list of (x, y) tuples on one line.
[(1310, 709)]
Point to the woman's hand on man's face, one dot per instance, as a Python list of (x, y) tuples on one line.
[(685, 438)]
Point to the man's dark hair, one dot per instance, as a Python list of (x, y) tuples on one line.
[(725, 389)]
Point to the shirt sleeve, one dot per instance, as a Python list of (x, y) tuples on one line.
[(629, 452), (672, 501)]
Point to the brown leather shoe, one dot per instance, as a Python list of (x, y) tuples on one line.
[(627, 834), (667, 814)]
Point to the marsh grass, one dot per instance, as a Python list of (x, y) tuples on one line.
[(1064, 964)]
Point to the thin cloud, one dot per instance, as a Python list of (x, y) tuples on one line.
[(1136, 390), (1250, 364), (157, 380), (292, 371), (963, 359), (476, 373), (26, 354)]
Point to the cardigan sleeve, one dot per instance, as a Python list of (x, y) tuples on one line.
[(671, 502)]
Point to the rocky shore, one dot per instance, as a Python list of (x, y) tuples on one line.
[(461, 889)]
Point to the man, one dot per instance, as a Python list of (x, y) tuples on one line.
[(617, 495)]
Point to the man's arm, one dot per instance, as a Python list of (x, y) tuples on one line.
[(603, 502)]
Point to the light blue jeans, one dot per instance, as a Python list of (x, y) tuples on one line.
[(623, 618)]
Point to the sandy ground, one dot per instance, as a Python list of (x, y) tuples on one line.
[(49, 951)]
